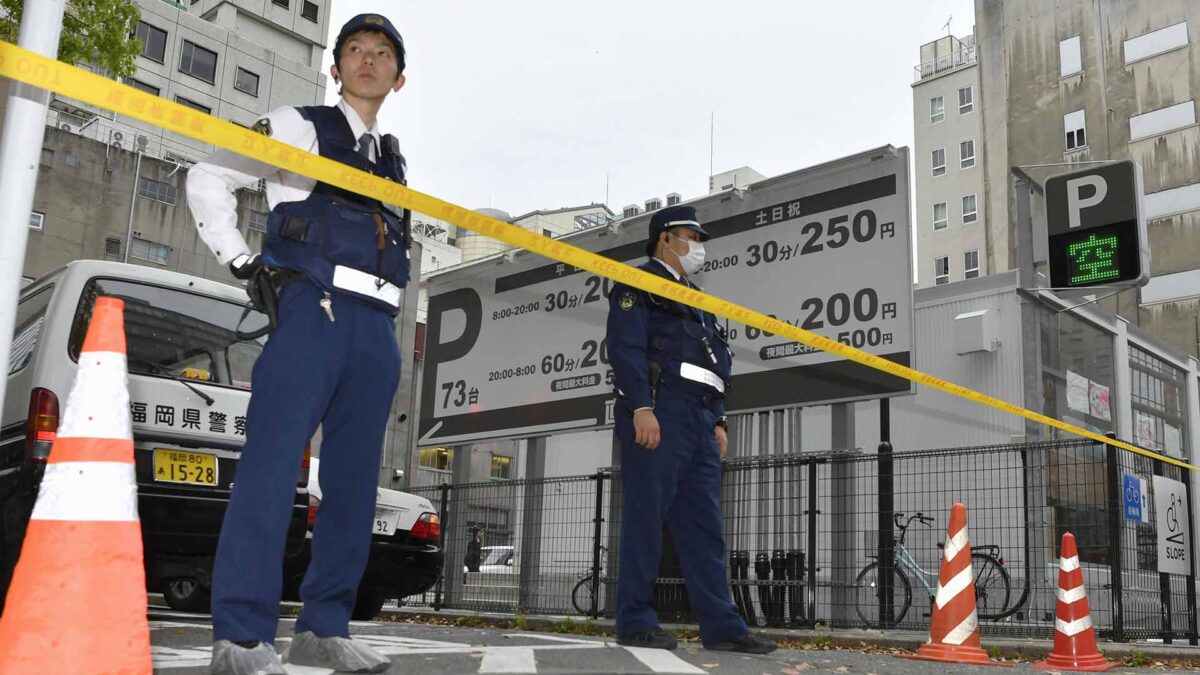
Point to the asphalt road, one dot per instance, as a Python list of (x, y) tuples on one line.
[(182, 646)]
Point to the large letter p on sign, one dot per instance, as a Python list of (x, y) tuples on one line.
[(1075, 201)]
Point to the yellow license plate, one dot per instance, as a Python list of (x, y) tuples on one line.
[(191, 468)]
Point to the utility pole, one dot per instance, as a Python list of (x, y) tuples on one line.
[(20, 155)]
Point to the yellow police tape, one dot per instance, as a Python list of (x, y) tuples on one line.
[(37, 70)]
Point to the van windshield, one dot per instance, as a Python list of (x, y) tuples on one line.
[(175, 333)]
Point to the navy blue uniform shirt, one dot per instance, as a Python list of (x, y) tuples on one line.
[(644, 327)]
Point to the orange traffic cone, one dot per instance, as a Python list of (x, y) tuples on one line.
[(1074, 638), (954, 628), (77, 603)]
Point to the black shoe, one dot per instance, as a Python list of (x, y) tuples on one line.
[(746, 644), (651, 639)]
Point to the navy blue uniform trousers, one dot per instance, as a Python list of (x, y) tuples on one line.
[(342, 374), (678, 483)]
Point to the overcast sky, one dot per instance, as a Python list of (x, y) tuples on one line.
[(530, 104)]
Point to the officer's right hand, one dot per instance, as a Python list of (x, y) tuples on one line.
[(645, 427), (244, 266)]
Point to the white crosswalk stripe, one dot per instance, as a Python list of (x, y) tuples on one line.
[(508, 660), (662, 661)]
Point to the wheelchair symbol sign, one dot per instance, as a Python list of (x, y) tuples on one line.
[(1137, 501)]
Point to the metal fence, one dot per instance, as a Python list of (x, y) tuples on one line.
[(835, 539)]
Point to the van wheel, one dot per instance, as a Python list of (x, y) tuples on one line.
[(187, 595), (367, 604)]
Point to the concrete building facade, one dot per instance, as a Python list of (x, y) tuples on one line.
[(1095, 80), (235, 59), (947, 172)]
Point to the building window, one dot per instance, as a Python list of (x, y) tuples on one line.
[(1159, 394), (198, 62), (966, 154), (941, 270), (246, 81), (156, 190), (547, 233), (501, 467), (47, 158), (939, 161), (969, 209), (193, 105), (282, 3), (1075, 125), (149, 250), (35, 220), (966, 100), (142, 86), (309, 11), (939, 216), (436, 459), (154, 41), (937, 110), (112, 247), (258, 221), (1070, 57), (970, 264)]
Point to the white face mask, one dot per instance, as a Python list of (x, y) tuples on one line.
[(693, 260)]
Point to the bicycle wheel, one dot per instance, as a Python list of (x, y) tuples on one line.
[(867, 596), (992, 586), (581, 596)]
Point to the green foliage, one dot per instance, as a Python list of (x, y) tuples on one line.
[(521, 622), (94, 31), (1138, 659)]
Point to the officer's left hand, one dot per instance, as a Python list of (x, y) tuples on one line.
[(722, 440)]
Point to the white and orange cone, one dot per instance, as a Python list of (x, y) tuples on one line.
[(77, 603), (954, 627), (1074, 637)]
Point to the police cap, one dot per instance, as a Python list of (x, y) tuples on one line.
[(672, 216), (372, 22)]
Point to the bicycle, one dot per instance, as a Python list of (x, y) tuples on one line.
[(581, 595), (993, 587)]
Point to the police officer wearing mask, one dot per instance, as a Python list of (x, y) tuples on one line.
[(341, 260), (672, 367)]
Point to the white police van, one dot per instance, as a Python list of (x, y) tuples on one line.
[(189, 386)]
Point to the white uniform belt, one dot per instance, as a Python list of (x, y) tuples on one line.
[(702, 375), (357, 281)]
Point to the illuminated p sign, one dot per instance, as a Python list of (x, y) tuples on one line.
[(1096, 231)]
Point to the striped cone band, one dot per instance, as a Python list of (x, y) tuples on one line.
[(1073, 628)]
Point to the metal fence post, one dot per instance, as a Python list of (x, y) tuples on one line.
[(445, 500), (887, 551), (812, 543), (1190, 582), (598, 522), (1115, 557)]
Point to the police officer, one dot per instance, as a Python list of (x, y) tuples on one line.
[(331, 361), (672, 366)]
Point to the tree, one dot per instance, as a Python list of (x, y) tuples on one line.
[(99, 32)]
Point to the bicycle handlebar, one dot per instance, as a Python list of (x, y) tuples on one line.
[(921, 517)]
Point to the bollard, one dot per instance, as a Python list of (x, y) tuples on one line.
[(795, 591), (762, 572), (779, 574), (746, 597)]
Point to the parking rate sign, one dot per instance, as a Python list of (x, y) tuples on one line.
[(515, 345)]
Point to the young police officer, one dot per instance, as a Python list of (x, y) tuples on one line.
[(672, 366), (331, 361)]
